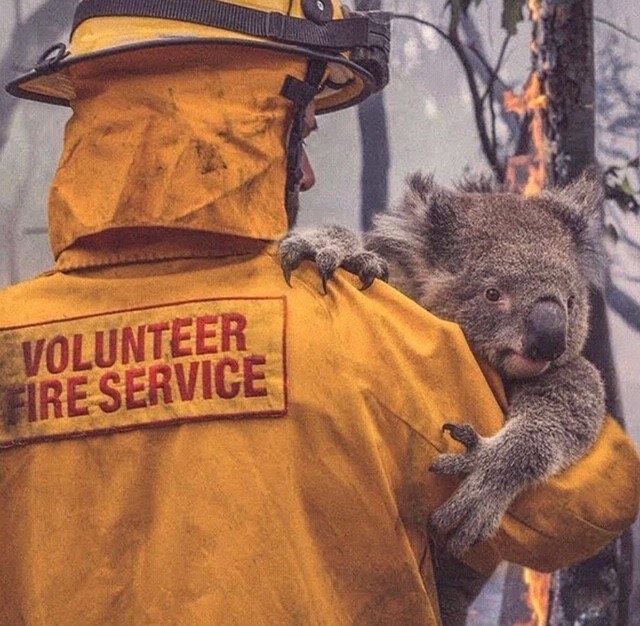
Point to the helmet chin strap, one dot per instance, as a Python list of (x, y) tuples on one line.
[(301, 93)]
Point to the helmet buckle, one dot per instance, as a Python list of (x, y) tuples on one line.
[(50, 58)]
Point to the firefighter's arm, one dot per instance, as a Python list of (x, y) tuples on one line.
[(573, 515), (437, 380), (576, 513)]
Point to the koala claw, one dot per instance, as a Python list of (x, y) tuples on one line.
[(331, 247), (328, 262), (367, 266), (287, 275), (464, 433), (292, 252)]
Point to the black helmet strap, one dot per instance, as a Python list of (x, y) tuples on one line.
[(301, 93), (336, 35)]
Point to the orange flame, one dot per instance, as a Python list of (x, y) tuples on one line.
[(527, 173), (537, 597), (535, 9)]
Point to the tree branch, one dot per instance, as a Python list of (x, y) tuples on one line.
[(617, 28), (488, 143)]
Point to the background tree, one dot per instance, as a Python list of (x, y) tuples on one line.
[(372, 121)]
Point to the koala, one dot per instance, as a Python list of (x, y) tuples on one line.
[(515, 273)]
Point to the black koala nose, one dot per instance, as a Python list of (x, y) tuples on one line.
[(546, 331)]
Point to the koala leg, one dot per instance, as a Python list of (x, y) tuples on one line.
[(470, 516)]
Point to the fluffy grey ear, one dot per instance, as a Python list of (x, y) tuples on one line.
[(579, 206), (422, 185), (480, 183), (439, 219), (423, 223)]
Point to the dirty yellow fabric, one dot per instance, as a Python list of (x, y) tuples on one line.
[(188, 148), (314, 514)]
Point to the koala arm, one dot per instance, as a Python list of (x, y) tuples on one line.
[(551, 422), (573, 515)]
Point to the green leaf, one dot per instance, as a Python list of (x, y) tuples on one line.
[(512, 15)]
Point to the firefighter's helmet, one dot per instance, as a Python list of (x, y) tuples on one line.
[(351, 48)]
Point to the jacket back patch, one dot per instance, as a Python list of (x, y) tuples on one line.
[(152, 366)]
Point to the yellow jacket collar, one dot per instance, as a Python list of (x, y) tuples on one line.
[(141, 245), (197, 149)]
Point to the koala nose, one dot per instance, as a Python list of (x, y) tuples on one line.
[(546, 336)]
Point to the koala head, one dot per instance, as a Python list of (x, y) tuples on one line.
[(513, 271)]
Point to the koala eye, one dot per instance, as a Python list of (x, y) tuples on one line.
[(571, 300), (492, 294)]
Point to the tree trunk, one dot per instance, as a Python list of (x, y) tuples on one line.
[(372, 120), (374, 185), (595, 592)]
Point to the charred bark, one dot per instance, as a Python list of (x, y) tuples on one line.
[(595, 592)]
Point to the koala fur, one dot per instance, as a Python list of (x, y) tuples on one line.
[(515, 274)]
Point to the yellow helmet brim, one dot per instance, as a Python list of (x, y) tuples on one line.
[(138, 44)]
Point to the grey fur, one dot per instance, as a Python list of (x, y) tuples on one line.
[(448, 250)]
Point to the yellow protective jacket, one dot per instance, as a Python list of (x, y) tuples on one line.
[(187, 440)]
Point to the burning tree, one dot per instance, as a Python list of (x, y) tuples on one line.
[(595, 592)]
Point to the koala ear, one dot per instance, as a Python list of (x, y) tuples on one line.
[(423, 223), (423, 185), (441, 223), (480, 183), (579, 206)]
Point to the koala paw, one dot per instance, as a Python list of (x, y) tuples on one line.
[(331, 247), (367, 266), (469, 517)]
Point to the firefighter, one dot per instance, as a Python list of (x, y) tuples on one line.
[(185, 438)]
